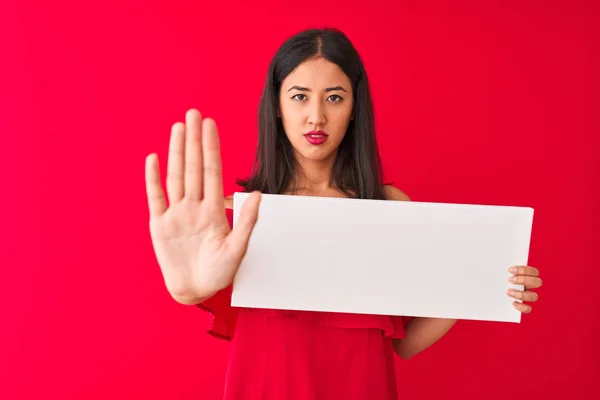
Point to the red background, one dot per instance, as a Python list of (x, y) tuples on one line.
[(489, 103)]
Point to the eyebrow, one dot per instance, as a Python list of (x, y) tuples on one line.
[(305, 89)]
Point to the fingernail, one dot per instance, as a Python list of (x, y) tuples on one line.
[(513, 269), (513, 279)]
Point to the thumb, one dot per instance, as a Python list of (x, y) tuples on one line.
[(240, 235)]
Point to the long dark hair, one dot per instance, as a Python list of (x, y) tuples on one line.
[(357, 170)]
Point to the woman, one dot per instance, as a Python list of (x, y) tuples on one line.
[(316, 138)]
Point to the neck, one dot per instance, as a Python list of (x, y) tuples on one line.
[(314, 176)]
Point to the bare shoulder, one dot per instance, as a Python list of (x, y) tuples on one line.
[(395, 193), (229, 202)]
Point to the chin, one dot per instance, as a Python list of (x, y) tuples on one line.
[(317, 154)]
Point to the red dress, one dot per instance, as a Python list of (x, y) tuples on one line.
[(305, 355)]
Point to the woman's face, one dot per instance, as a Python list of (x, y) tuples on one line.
[(315, 105)]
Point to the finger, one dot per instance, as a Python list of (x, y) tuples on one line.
[(240, 235), (524, 308), (193, 155), (157, 204), (175, 163), (524, 270), (213, 177), (522, 295), (530, 282)]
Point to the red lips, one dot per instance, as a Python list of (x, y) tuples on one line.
[(316, 137), (316, 133)]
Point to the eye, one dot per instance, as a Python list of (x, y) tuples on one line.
[(338, 98), (295, 97)]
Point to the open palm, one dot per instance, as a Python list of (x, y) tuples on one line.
[(197, 251)]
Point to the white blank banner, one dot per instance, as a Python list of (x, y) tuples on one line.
[(383, 257)]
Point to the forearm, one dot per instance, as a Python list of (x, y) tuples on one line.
[(420, 334)]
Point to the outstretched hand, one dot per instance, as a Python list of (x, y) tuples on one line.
[(196, 249)]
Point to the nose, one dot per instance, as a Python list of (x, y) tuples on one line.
[(316, 116)]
